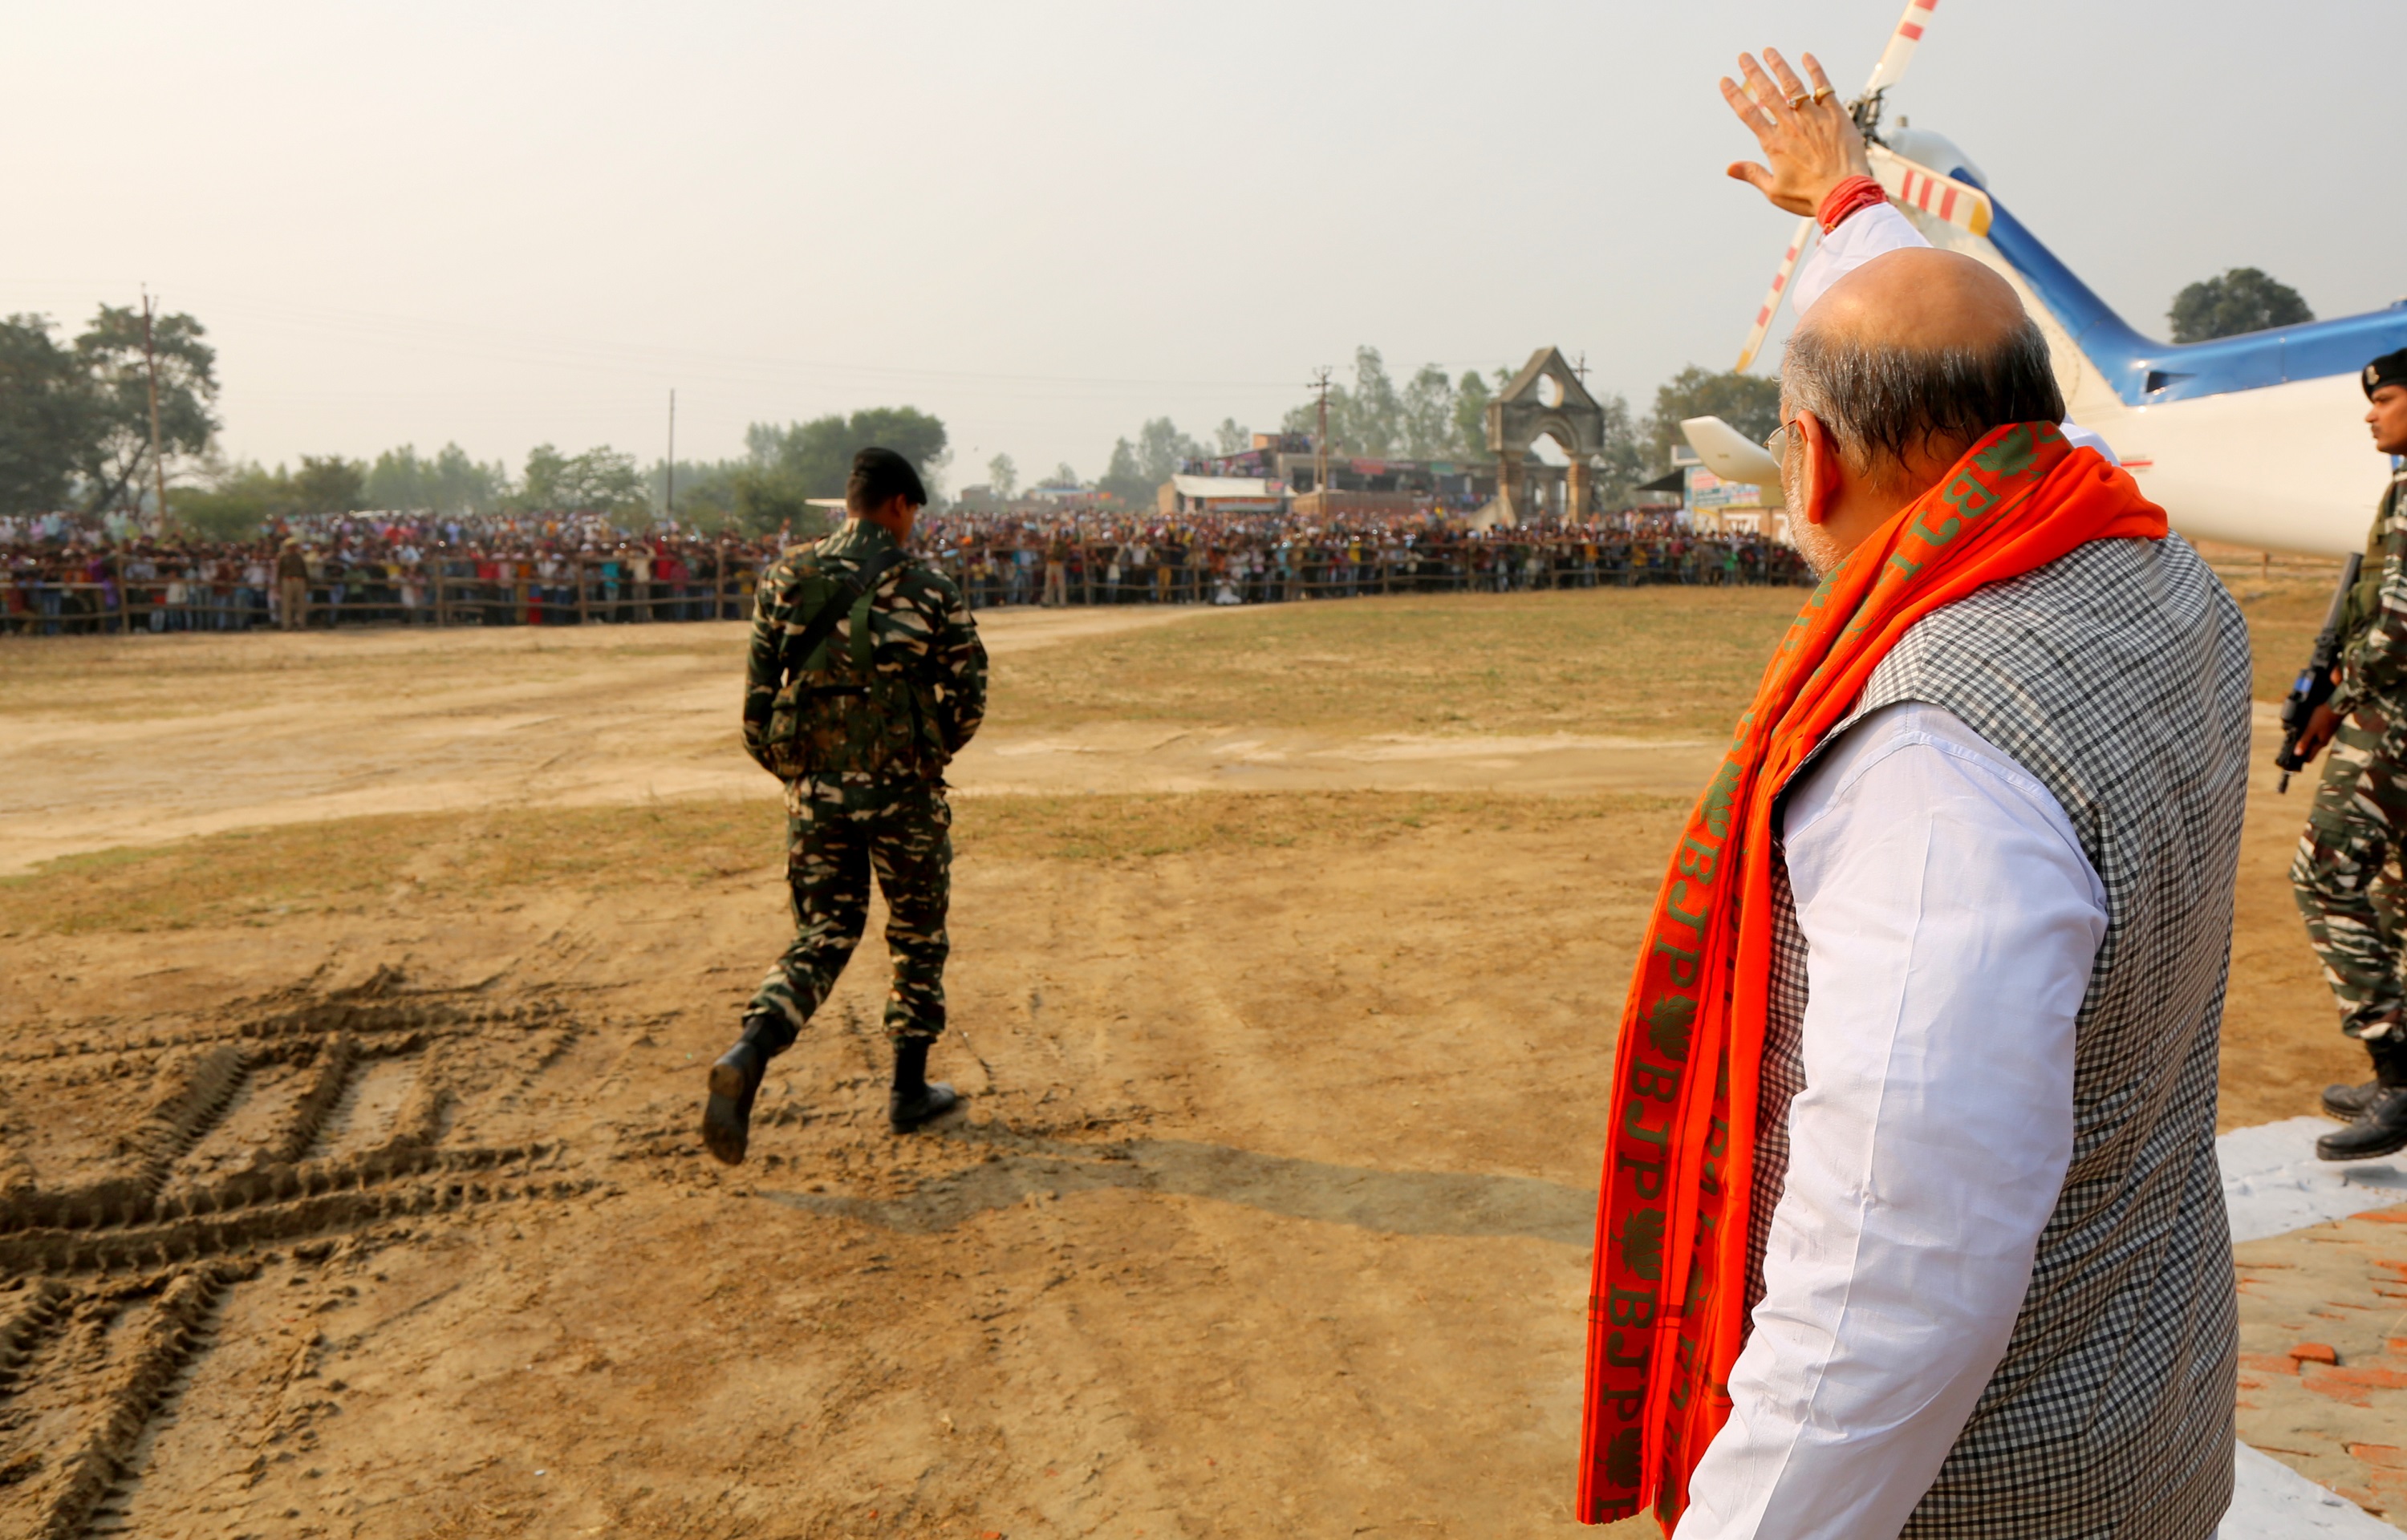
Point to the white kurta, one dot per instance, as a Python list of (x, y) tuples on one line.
[(1950, 920)]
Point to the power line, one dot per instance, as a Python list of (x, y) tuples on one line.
[(555, 348)]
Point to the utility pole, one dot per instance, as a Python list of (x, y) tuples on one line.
[(1581, 370), (1321, 440), (668, 500), (158, 458)]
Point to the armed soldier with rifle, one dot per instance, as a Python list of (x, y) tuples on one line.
[(2354, 697), (2305, 704), (864, 678)]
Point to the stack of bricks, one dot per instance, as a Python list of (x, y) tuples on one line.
[(2322, 1355)]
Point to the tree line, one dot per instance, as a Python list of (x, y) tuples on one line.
[(76, 433), (1436, 415)]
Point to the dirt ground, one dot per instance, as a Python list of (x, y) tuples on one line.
[(355, 989)]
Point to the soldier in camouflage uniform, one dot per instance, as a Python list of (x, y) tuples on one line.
[(865, 677), (2358, 822)]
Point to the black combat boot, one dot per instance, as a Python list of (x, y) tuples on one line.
[(915, 1101), (2348, 1102), (734, 1080), (2381, 1129)]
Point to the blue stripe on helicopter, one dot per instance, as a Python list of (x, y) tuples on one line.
[(2147, 373)]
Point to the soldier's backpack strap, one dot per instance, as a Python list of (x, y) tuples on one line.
[(851, 597)]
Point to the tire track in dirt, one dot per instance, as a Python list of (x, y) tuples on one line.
[(126, 1250), (131, 1398)]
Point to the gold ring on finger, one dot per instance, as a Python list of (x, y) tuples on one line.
[(1796, 102), (1822, 93)]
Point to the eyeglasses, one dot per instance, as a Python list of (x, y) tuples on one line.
[(1775, 443)]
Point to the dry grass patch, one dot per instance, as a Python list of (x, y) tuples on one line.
[(1132, 828), (261, 877), (1655, 662), (1647, 662), (114, 678), (1660, 662)]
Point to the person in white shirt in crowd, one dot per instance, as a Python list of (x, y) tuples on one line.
[(1942, 1250)]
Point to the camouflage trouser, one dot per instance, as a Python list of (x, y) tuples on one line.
[(836, 835), (2354, 829)]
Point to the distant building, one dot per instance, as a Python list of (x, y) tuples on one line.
[(1191, 494), (1062, 494), (1282, 472), (1726, 507)]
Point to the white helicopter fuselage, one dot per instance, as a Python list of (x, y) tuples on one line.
[(2285, 467), (2257, 440)]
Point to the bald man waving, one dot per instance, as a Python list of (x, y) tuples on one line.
[(1912, 1223)]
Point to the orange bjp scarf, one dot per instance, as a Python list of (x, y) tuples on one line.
[(1667, 1297)]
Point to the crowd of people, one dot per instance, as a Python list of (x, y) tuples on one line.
[(59, 576), (1254, 560), (363, 569)]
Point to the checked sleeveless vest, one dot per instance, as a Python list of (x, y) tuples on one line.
[(2117, 676)]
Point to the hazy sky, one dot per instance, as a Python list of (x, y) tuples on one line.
[(508, 223)]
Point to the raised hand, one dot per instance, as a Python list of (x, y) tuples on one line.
[(1804, 131)]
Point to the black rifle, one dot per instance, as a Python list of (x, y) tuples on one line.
[(2315, 682)]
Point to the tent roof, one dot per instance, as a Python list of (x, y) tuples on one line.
[(1217, 487)]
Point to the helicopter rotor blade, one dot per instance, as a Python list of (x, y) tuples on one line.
[(1916, 186), (1901, 42), (1805, 229)]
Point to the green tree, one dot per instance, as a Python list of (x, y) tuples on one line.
[(768, 498), (910, 432), (1304, 418), (807, 459), (1622, 457), (460, 484), (1232, 439), (1427, 414), (1373, 421), (397, 480), (1428, 419), (790, 466), (1749, 402), (601, 481), (49, 416), (215, 515), (116, 458), (447, 483), (234, 502), (1470, 398), (2246, 299), (1159, 447), (1002, 476), (706, 490), (329, 484), (1124, 479)]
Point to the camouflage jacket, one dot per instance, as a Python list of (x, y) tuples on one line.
[(895, 690), (2373, 622)]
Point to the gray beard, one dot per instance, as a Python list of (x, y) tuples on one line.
[(1820, 551)]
